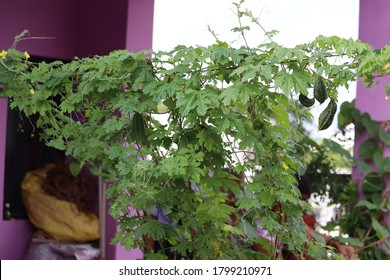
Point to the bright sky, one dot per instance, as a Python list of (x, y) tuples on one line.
[(298, 21)]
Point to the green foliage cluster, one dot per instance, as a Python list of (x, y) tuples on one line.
[(325, 162), (362, 207), (365, 207), (229, 111)]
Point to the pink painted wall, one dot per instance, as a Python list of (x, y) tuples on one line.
[(139, 25), (101, 28), (139, 36), (79, 28), (14, 235), (42, 18), (374, 28)]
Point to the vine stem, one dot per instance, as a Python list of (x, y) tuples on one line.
[(372, 244), (11, 70), (365, 237), (25, 36), (240, 24)]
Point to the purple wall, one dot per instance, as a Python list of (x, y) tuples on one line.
[(374, 28), (44, 18), (14, 235), (139, 25), (138, 37), (101, 29), (79, 28)]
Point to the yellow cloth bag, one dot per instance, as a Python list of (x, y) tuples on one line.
[(58, 219)]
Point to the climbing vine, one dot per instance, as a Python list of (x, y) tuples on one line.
[(168, 131), (366, 205)]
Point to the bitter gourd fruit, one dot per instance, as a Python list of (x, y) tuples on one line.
[(320, 90), (306, 101), (326, 117), (138, 129)]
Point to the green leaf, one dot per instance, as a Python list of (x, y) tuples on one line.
[(371, 126), (367, 148), (302, 81), (384, 136), (220, 52), (282, 53), (200, 100), (156, 256), (363, 166), (373, 183), (387, 206), (208, 138), (250, 74), (281, 115), (58, 143), (337, 149), (387, 90), (285, 82), (128, 241), (351, 241), (240, 92), (212, 212), (377, 158), (344, 117), (380, 230), (368, 205), (223, 124), (246, 203), (376, 198), (385, 165), (318, 237), (75, 168), (160, 90), (152, 228), (145, 73), (232, 230), (248, 229)]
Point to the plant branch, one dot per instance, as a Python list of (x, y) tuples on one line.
[(239, 13), (25, 36), (372, 244)]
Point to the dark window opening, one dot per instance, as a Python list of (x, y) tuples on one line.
[(24, 152)]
